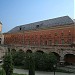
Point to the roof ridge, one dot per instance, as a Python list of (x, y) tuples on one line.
[(45, 20)]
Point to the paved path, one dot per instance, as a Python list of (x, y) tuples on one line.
[(68, 68), (22, 71)]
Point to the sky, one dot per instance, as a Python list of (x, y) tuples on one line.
[(19, 12)]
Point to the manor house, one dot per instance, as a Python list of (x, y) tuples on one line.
[(55, 35)]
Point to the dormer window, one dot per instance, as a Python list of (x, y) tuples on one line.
[(20, 28), (37, 26)]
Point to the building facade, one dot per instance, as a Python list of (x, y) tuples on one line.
[(60, 36), (60, 33), (54, 35)]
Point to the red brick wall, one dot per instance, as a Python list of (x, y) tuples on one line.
[(42, 37)]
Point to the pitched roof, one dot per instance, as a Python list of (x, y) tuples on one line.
[(44, 24)]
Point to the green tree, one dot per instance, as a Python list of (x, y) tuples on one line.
[(52, 60), (18, 58), (37, 59), (7, 64), (31, 65), (26, 61), (44, 61)]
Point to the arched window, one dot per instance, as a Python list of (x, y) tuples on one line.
[(69, 59)]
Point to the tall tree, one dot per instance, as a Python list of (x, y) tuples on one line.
[(7, 64), (31, 65)]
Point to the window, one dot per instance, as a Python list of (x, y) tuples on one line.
[(62, 34), (41, 42), (55, 34), (63, 41), (49, 35), (69, 32), (56, 41), (69, 41), (50, 42), (28, 42), (45, 43)]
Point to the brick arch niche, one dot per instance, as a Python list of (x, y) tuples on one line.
[(29, 51), (69, 59), (39, 51), (57, 55)]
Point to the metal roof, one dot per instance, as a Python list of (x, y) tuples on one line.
[(44, 24)]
